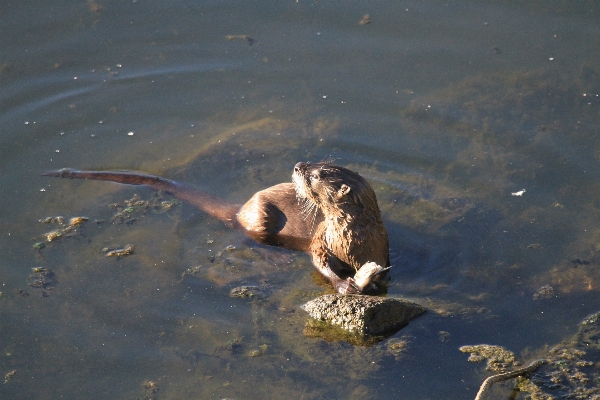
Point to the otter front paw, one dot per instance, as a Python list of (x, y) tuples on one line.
[(346, 287)]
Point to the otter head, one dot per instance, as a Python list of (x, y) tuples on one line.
[(336, 191)]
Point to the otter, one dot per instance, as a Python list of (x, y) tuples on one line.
[(328, 211)]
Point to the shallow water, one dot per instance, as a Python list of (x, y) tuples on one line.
[(448, 109)]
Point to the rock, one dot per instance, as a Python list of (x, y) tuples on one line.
[(363, 315)]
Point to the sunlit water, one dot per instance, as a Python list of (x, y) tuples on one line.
[(448, 109)]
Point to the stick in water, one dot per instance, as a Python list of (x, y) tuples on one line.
[(508, 375)]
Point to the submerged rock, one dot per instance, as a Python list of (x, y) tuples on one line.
[(363, 315)]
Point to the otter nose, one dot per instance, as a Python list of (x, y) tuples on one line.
[(299, 167)]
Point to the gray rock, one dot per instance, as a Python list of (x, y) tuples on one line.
[(363, 315)]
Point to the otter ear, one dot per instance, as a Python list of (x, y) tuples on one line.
[(344, 190)]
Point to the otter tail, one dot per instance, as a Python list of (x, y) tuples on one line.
[(212, 205)]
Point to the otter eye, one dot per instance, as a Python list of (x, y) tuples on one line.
[(315, 175)]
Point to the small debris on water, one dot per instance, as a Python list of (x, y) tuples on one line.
[(191, 271), (233, 346), (151, 388), (255, 353), (247, 38), (519, 193), (125, 251), (130, 210), (76, 221), (53, 235), (245, 291), (50, 220), (579, 261), (59, 233), (397, 347), (21, 292), (166, 205), (9, 376), (443, 336), (545, 292), (41, 278), (366, 19)]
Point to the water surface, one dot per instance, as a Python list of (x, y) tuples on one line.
[(448, 109)]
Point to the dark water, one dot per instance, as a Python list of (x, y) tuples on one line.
[(448, 108)]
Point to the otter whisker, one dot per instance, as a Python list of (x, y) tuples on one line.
[(312, 223), (330, 192), (328, 160), (307, 208)]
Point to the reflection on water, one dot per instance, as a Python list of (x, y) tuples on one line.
[(447, 109)]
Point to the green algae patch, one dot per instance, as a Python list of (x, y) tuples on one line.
[(497, 357)]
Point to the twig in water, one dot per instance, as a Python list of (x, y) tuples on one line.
[(508, 375)]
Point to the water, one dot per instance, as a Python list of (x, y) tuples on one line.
[(446, 108)]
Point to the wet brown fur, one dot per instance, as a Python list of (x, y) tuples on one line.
[(351, 232), (329, 212)]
